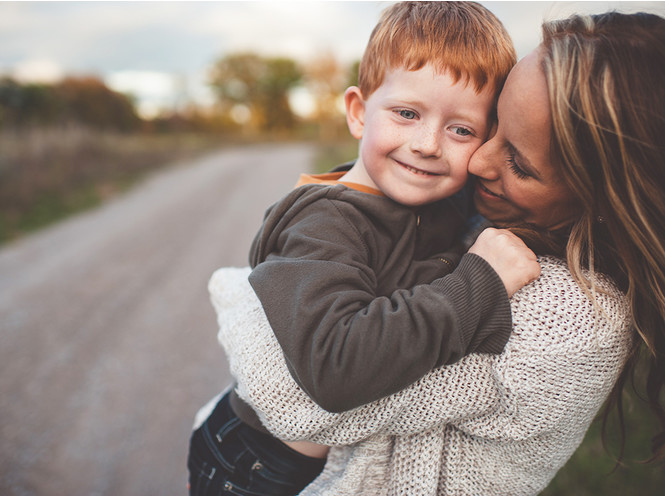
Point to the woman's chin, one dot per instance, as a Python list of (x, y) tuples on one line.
[(496, 211)]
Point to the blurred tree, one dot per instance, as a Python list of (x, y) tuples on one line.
[(234, 80), (87, 100), (84, 100), (261, 85), (353, 74), (22, 105), (326, 81), (280, 77)]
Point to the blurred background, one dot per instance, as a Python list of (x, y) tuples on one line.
[(139, 136)]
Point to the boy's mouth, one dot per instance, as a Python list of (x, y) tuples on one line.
[(417, 171)]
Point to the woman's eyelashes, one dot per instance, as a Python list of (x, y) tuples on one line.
[(514, 165), (515, 168)]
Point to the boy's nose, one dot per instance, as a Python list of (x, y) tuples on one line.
[(427, 142)]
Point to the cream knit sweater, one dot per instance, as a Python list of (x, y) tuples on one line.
[(487, 425)]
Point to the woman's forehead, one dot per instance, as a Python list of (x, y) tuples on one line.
[(525, 120), (526, 87)]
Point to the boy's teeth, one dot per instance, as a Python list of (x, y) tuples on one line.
[(417, 171)]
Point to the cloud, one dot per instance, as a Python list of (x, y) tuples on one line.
[(152, 90), (177, 36), (38, 71), (523, 19), (184, 39), (298, 29)]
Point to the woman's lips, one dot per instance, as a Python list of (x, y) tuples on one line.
[(486, 192)]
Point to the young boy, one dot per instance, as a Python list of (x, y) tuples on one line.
[(349, 267)]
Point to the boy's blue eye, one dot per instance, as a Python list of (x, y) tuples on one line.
[(407, 114), (462, 131)]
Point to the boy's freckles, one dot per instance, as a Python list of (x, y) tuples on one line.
[(419, 129)]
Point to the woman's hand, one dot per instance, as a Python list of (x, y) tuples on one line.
[(512, 260)]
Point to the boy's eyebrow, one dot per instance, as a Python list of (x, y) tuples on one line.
[(523, 162), (401, 100)]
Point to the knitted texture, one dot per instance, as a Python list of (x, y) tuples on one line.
[(489, 424)]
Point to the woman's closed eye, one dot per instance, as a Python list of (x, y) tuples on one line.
[(515, 168)]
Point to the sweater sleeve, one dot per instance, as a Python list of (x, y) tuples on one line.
[(557, 369), (344, 342), (290, 414), (282, 406)]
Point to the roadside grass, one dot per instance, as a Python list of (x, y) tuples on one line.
[(49, 174)]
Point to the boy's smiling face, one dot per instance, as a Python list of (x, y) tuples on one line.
[(417, 132)]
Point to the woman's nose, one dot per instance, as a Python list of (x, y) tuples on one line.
[(484, 160)]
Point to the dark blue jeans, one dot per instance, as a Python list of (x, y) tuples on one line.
[(226, 456)]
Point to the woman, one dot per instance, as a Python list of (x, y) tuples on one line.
[(578, 162)]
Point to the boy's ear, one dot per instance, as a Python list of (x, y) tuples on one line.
[(355, 111)]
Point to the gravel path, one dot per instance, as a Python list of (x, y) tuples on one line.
[(107, 336)]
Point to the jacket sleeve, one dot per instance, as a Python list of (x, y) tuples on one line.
[(346, 345), (555, 373), (290, 414)]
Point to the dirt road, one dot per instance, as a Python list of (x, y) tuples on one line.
[(107, 337)]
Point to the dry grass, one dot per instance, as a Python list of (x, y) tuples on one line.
[(46, 174)]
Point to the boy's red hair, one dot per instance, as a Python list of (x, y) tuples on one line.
[(461, 38)]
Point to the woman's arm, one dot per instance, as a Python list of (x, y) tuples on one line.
[(541, 379), (257, 363)]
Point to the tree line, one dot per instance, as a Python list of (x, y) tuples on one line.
[(69, 145), (84, 100), (252, 93)]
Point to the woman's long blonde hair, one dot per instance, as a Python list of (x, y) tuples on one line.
[(606, 81)]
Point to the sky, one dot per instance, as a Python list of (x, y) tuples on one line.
[(161, 52)]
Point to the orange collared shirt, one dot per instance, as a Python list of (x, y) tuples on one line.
[(332, 178)]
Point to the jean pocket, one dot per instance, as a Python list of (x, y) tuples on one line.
[(270, 480), (230, 487), (201, 475)]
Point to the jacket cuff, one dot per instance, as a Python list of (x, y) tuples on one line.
[(481, 302)]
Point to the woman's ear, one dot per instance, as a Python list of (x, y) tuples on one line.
[(355, 111)]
